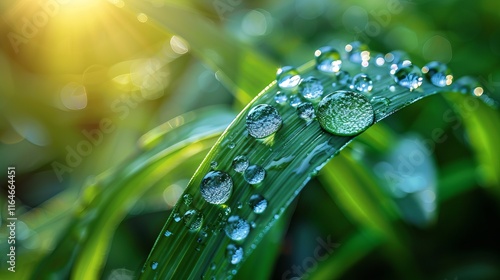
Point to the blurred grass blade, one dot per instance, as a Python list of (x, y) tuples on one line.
[(290, 157), (84, 245)]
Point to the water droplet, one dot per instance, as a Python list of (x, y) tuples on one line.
[(379, 60), (254, 174), (193, 219), (258, 203), (226, 210), (216, 187), (239, 205), (345, 113), (154, 265), (396, 57), (213, 266), (188, 199), (253, 224), (438, 73), (202, 237), (288, 77), (168, 233), (237, 228), (306, 111), (177, 217), (311, 88), (234, 253), (392, 88), (240, 163), (381, 102), (468, 85), (213, 164), (357, 52), (231, 145), (262, 121), (408, 75), (328, 59), (281, 97), (362, 83), (295, 100), (343, 77)]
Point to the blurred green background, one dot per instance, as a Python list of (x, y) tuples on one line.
[(107, 72)]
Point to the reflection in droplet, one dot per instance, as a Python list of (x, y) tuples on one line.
[(288, 77), (262, 121), (328, 59)]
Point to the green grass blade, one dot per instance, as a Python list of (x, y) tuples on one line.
[(295, 153)]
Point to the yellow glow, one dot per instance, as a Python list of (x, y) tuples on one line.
[(478, 91)]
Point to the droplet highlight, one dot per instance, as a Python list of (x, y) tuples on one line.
[(258, 203), (328, 59), (287, 77), (362, 83)]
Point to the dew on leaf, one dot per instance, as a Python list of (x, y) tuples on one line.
[(328, 59), (234, 253), (408, 75), (438, 73), (193, 219), (262, 121), (254, 174), (216, 187), (237, 228), (310, 88), (362, 83), (345, 113), (306, 111), (258, 203), (287, 77), (240, 163)]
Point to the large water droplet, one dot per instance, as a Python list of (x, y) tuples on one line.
[(216, 187), (258, 203), (234, 253), (357, 52), (362, 83), (311, 88), (240, 163), (288, 77), (306, 111), (280, 97), (193, 219), (237, 228), (408, 75), (263, 120), (254, 174), (328, 59), (438, 73), (154, 265), (345, 113)]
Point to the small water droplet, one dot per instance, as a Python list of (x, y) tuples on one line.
[(287, 77), (362, 83), (258, 203), (168, 233), (239, 205), (234, 253), (253, 224), (311, 88), (306, 111), (202, 237), (345, 113), (193, 219), (328, 59), (231, 145), (177, 217), (213, 164), (262, 121), (438, 73), (216, 187), (254, 174), (357, 52), (240, 163), (468, 85), (154, 265), (408, 75), (281, 97), (392, 88), (188, 199), (213, 266), (237, 228), (295, 101), (226, 210), (343, 78)]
